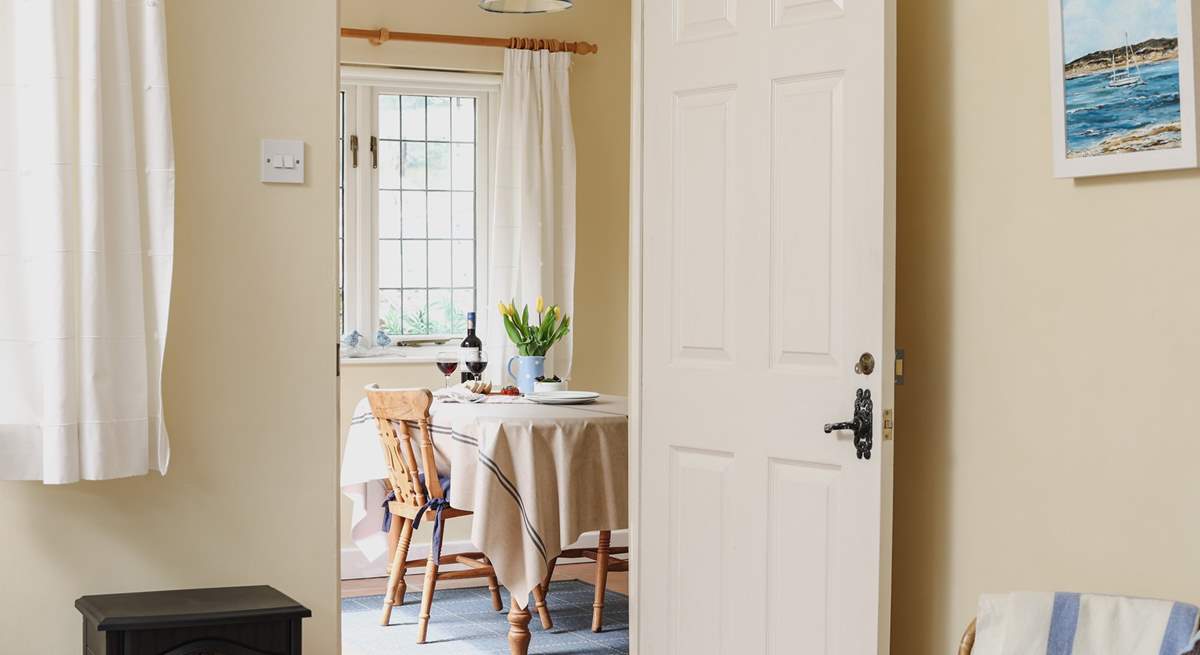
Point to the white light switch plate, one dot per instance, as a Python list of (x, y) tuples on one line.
[(282, 161)]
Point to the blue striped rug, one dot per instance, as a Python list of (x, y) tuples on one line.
[(464, 623)]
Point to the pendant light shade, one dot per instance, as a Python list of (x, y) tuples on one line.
[(524, 6)]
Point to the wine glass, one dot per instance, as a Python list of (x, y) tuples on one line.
[(447, 363), (477, 364)]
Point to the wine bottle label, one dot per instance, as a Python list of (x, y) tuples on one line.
[(469, 354)]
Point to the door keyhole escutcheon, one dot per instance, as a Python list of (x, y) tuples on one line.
[(861, 424)]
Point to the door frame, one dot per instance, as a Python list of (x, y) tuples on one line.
[(887, 359), (635, 319)]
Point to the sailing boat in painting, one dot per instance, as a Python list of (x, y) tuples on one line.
[(1125, 78), (1120, 95)]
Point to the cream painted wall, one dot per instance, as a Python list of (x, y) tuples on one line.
[(600, 109), (1045, 431), (249, 379)]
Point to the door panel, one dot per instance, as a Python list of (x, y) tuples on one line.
[(702, 518), (703, 164), (765, 208), (794, 12), (802, 510), (696, 20), (806, 184)]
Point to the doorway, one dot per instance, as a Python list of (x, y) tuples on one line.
[(418, 130)]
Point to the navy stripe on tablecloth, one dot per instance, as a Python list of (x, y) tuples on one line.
[(1064, 620), (491, 466), (512, 491), (1178, 636)]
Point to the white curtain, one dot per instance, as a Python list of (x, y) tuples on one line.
[(532, 237), (86, 238)]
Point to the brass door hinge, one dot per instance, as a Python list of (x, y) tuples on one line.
[(889, 424), (354, 151)]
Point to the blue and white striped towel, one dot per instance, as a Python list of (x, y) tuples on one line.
[(1028, 623)]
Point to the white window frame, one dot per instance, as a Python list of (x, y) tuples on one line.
[(363, 85)]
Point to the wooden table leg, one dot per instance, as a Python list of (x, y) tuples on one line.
[(539, 600), (518, 628), (601, 579)]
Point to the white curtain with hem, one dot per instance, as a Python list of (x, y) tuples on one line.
[(532, 227), (86, 238)]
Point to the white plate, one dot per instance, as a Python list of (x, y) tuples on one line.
[(563, 397)]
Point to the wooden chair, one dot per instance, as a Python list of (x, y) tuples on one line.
[(968, 640), (417, 488), (602, 554)]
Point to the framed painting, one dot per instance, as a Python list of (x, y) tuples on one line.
[(1122, 85)]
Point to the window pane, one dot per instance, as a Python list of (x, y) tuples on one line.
[(412, 117), (439, 165), (413, 262), (441, 312), (439, 215), (414, 215), (389, 311), (389, 165), (389, 215), (439, 119), (464, 263), (414, 165), (439, 264), (464, 301), (416, 313), (464, 167), (389, 117), (464, 215), (464, 119), (389, 264), (426, 213)]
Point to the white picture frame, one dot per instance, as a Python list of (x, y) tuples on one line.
[(1112, 160)]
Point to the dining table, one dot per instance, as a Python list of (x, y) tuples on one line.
[(535, 476)]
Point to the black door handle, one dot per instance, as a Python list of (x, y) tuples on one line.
[(862, 424)]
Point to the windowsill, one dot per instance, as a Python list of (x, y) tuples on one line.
[(398, 355)]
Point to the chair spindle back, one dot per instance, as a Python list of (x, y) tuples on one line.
[(394, 410)]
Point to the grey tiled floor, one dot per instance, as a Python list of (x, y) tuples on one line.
[(464, 623)]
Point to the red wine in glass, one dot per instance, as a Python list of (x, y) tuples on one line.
[(447, 363)]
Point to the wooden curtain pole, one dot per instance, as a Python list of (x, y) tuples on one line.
[(383, 35)]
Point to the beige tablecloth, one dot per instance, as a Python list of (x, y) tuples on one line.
[(536, 476)]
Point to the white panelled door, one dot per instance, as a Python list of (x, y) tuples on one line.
[(766, 258)]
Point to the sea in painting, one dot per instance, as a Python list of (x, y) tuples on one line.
[(1121, 76)]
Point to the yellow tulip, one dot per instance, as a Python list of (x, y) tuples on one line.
[(512, 310), (503, 309), (541, 305), (557, 312)]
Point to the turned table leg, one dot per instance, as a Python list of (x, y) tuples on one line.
[(601, 579), (518, 628)]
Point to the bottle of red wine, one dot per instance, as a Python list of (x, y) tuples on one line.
[(469, 350)]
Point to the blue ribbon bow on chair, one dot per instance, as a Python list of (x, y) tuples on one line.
[(438, 505)]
